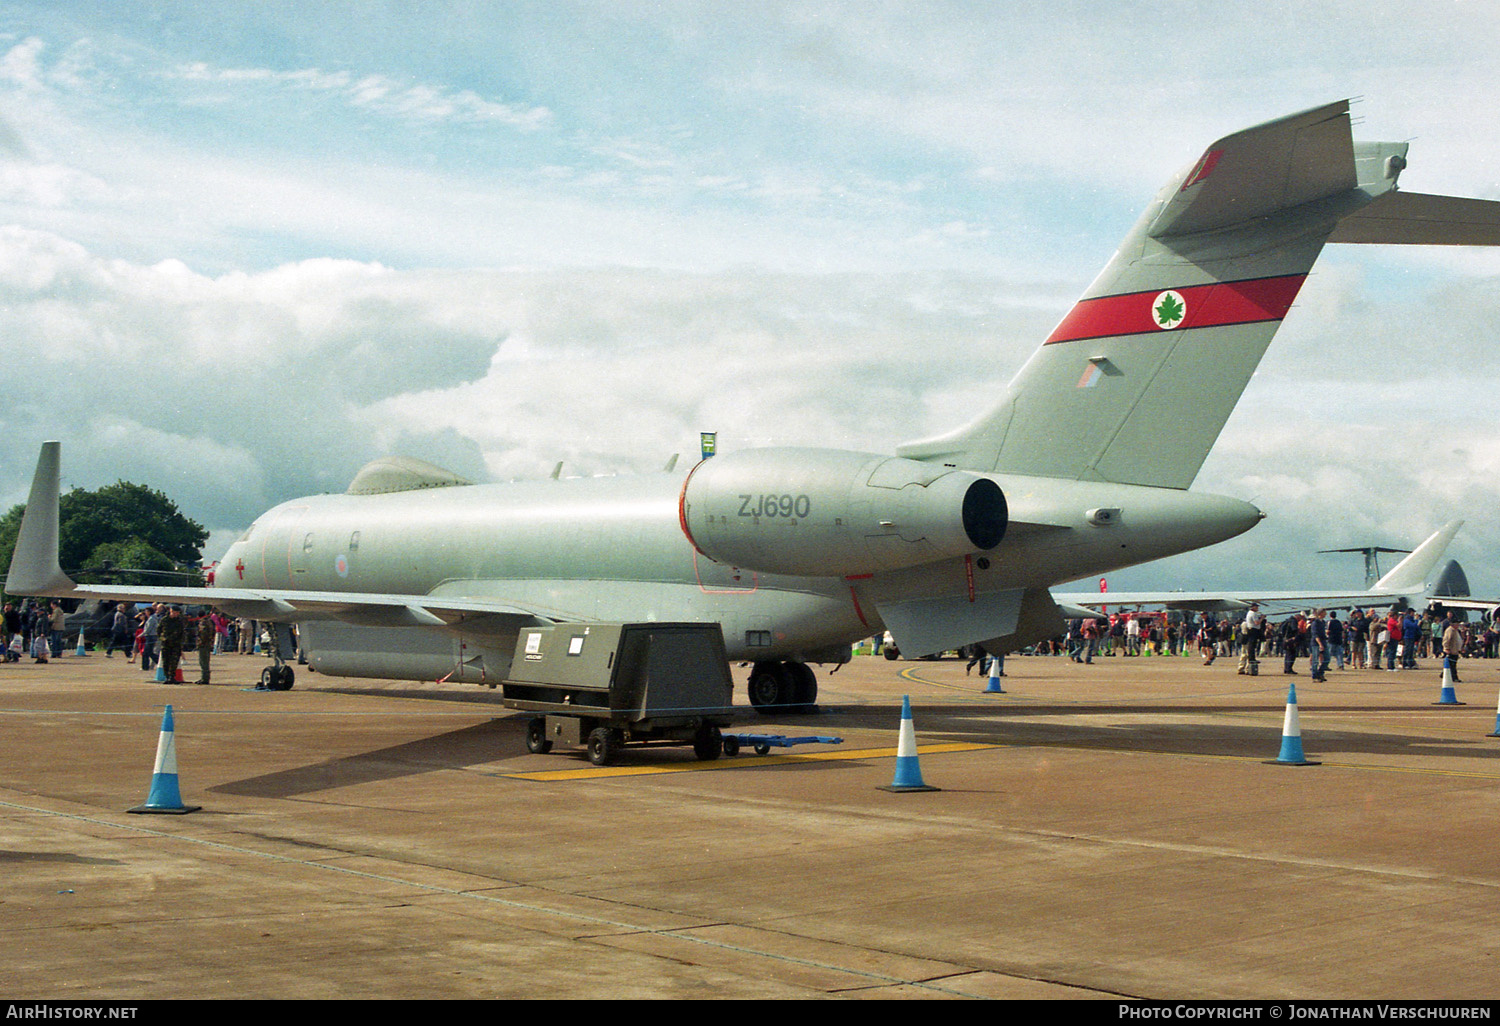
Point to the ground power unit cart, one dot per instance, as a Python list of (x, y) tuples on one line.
[(606, 685)]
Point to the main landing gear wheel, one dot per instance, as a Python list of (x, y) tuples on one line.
[(804, 687), (770, 688), (783, 687), (536, 737), (277, 678)]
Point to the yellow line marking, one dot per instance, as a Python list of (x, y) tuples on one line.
[(739, 762), (910, 673), (745, 761)]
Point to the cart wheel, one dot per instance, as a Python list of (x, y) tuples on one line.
[(708, 742), (731, 745), (761, 748), (536, 737), (602, 746)]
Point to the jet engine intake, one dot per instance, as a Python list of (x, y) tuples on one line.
[(831, 513)]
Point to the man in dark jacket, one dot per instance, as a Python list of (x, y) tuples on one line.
[(1291, 637), (173, 634)]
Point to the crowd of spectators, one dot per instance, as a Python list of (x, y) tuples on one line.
[(37, 629), (1364, 639)]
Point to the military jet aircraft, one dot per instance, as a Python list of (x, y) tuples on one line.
[(1081, 469), (1410, 583)]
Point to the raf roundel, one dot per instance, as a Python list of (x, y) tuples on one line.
[(1168, 310), (341, 566)]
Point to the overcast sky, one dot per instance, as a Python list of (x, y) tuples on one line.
[(245, 248)]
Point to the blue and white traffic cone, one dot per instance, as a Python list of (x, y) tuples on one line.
[(1447, 696), (164, 796), (161, 674), (1291, 734), (908, 772), (1496, 732), (993, 687), (81, 650)]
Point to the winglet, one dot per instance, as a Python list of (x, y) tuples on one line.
[(34, 569), (1412, 572)]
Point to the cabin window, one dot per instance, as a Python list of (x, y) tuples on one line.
[(757, 639), (307, 542), (354, 542)]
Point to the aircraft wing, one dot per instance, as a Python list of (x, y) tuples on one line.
[(357, 609), (1407, 581), (1489, 605), (34, 570), (1218, 602)]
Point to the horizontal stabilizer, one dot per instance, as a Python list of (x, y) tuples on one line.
[(1417, 219), (1274, 166)]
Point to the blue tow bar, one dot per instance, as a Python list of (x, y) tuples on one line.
[(763, 743)]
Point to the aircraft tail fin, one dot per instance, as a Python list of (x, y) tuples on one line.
[(1138, 379), (1413, 572), (34, 569)]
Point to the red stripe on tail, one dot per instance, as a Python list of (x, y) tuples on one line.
[(1227, 302)]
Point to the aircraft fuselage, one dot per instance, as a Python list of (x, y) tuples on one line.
[(615, 548)]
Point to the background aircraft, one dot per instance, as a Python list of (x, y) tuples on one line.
[(1081, 469), (1412, 582)]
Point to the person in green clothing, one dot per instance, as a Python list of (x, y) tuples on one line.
[(173, 634), (206, 635)]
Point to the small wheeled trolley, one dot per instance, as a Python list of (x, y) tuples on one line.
[(763, 743), (606, 685)]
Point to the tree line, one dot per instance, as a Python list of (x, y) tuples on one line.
[(122, 533)]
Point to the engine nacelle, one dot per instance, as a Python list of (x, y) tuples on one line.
[(827, 513)]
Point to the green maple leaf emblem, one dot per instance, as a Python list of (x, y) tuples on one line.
[(1169, 311)]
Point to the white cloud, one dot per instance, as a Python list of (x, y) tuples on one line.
[(219, 272), (379, 94)]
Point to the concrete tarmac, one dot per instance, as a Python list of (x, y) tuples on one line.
[(1105, 831)]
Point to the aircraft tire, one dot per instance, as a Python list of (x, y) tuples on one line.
[(536, 737), (282, 679), (804, 689), (708, 742), (769, 688), (603, 746)]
